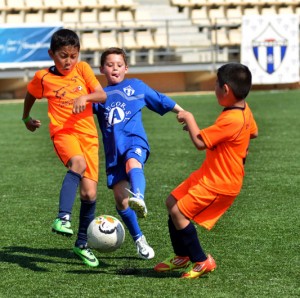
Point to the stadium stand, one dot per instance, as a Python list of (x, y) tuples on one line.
[(144, 28), (158, 32)]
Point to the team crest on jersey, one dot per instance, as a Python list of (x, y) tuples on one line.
[(269, 49), (128, 90)]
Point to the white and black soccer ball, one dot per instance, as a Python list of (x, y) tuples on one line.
[(105, 233)]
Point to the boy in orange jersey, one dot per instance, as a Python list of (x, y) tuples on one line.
[(209, 191), (70, 87)]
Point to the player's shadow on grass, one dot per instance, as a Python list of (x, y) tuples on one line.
[(147, 272), (29, 258)]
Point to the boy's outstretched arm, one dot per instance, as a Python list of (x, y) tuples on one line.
[(177, 108), (99, 95), (31, 124), (187, 118)]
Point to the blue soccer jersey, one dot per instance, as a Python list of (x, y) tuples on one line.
[(120, 117)]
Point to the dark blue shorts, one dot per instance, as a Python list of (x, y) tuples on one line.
[(118, 173)]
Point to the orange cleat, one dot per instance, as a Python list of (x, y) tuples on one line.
[(195, 270)]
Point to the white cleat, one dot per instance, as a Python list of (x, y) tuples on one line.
[(144, 250), (139, 206)]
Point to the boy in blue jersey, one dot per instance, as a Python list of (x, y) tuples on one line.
[(125, 141)]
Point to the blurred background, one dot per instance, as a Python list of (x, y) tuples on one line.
[(173, 45)]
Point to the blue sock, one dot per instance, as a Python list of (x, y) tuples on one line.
[(87, 214), (137, 181), (68, 193), (130, 220), (190, 241)]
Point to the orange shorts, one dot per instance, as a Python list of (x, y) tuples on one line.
[(67, 145), (200, 204)]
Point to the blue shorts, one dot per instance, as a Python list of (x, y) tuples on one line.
[(118, 173)]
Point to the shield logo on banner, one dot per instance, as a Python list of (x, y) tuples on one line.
[(269, 49)]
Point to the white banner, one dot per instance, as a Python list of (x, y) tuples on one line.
[(270, 48)]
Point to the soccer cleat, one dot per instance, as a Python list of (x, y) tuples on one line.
[(144, 250), (62, 227), (195, 270), (172, 263), (86, 255), (139, 206)]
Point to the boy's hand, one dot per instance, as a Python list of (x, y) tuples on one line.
[(182, 116), (33, 124), (79, 105)]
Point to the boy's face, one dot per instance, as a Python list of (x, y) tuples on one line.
[(114, 69), (65, 59)]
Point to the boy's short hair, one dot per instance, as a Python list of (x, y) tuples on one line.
[(238, 77), (64, 37), (113, 50)]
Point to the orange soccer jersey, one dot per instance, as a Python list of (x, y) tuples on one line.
[(72, 134), (210, 190), (60, 92)]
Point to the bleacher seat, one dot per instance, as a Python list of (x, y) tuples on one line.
[(71, 18), (268, 10), (54, 4), (199, 16), (107, 3), (160, 38), (34, 17), (197, 3), (217, 15), (234, 15), (125, 18), (143, 18), (285, 10), (180, 3), (72, 4), (89, 19), (52, 17), (251, 11), (3, 5), (145, 39), (220, 37), (255, 2), (129, 4), (235, 36), (15, 4), (90, 3), (90, 41), (235, 2), (108, 39), (35, 4), (127, 40), (15, 17), (107, 18)]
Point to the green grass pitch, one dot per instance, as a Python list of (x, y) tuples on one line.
[(255, 244)]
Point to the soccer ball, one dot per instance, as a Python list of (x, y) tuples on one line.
[(105, 233)]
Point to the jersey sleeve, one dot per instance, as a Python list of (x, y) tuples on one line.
[(253, 128), (35, 87), (88, 76), (158, 102)]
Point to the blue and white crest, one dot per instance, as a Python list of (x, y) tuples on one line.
[(129, 90), (269, 49)]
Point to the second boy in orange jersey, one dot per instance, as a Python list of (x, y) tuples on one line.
[(70, 87), (209, 191)]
